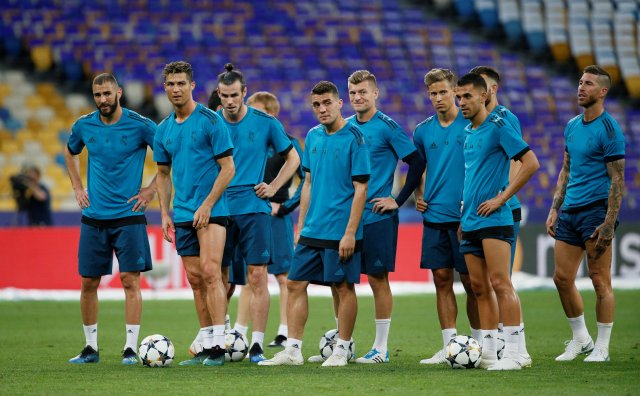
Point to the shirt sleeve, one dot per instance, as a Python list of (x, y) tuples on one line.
[(160, 153), (612, 139), (511, 141), (75, 142), (220, 139), (278, 137), (289, 205), (150, 133), (399, 141), (306, 161), (418, 143), (360, 163)]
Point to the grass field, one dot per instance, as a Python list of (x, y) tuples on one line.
[(37, 338)]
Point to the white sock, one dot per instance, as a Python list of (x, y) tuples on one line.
[(447, 335), (217, 335), (241, 329), (511, 341), (91, 335), (579, 328), (604, 335), (257, 337), (500, 327), (294, 347), (283, 329), (337, 327), (227, 322), (207, 337), (523, 341), (489, 350), (382, 335), (342, 347), (477, 334), (133, 331)]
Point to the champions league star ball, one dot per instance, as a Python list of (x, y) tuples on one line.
[(156, 351), (236, 346), (463, 352), (195, 348), (328, 342)]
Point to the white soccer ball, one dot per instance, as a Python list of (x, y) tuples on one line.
[(195, 348), (463, 352), (500, 344), (328, 342), (156, 351), (236, 346)]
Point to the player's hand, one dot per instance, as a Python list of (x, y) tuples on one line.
[(421, 206), (382, 205), (604, 233), (551, 222), (82, 198), (296, 236), (264, 190), (459, 233), (142, 199), (347, 247), (202, 216), (167, 225), (275, 207), (491, 205)]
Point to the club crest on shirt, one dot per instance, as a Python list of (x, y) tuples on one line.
[(252, 136), (124, 140)]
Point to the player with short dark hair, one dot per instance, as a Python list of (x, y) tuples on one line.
[(487, 222), (252, 132), (116, 139), (193, 150), (589, 193), (336, 162), (440, 139)]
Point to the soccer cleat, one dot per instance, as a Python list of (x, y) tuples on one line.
[(196, 360), (336, 360), (525, 360), (575, 348), (283, 358), (88, 355), (256, 354), (215, 357), (374, 356), (279, 341), (129, 357), (505, 363), (599, 354), (437, 358), (316, 359), (486, 364)]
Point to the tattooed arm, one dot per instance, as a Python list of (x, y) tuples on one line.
[(604, 232), (558, 196)]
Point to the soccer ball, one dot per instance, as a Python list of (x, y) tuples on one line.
[(156, 351), (195, 348), (236, 345), (500, 346), (463, 352), (328, 342)]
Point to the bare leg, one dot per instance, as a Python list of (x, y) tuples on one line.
[(297, 308), (347, 309), (244, 311), (600, 274), (260, 302), (89, 300), (282, 283), (445, 298), (133, 297), (497, 255), (568, 259), (382, 297), (472, 303)]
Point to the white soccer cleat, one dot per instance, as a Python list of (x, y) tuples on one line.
[(283, 358), (575, 348), (336, 360), (316, 359), (505, 364), (599, 354), (438, 358), (486, 364), (374, 356), (525, 360)]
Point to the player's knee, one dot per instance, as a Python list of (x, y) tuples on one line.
[(601, 284), (501, 284), (195, 279), (130, 281), (562, 281), (211, 277), (480, 288), (90, 285), (294, 287), (443, 280), (257, 277)]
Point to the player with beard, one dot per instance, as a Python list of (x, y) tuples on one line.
[(588, 193), (116, 139)]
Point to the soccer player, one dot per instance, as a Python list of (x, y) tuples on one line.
[(492, 78), (387, 142), (252, 132), (193, 150), (112, 208), (336, 162), (589, 193), (487, 222), (440, 139), (281, 226)]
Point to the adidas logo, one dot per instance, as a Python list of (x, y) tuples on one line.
[(92, 140), (433, 145), (339, 272), (129, 331), (488, 336), (265, 253), (515, 333), (94, 331), (340, 346), (295, 346)]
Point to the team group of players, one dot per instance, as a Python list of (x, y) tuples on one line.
[(231, 219)]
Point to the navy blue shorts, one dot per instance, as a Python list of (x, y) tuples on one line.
[(576, 228), (281, 244), (187, 243), (380, 240), (472, 240), (251, 234), (237, 268), (130, 243), (323, 266), (441, 248)]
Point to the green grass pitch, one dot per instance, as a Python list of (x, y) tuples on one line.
[(37, 339)]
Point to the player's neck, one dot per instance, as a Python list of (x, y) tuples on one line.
[(447, 118), (113, 118), (236, 117), (183, 112), (492, 105), (479, 118), (366, 116), (592, 112), (337, 125)]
